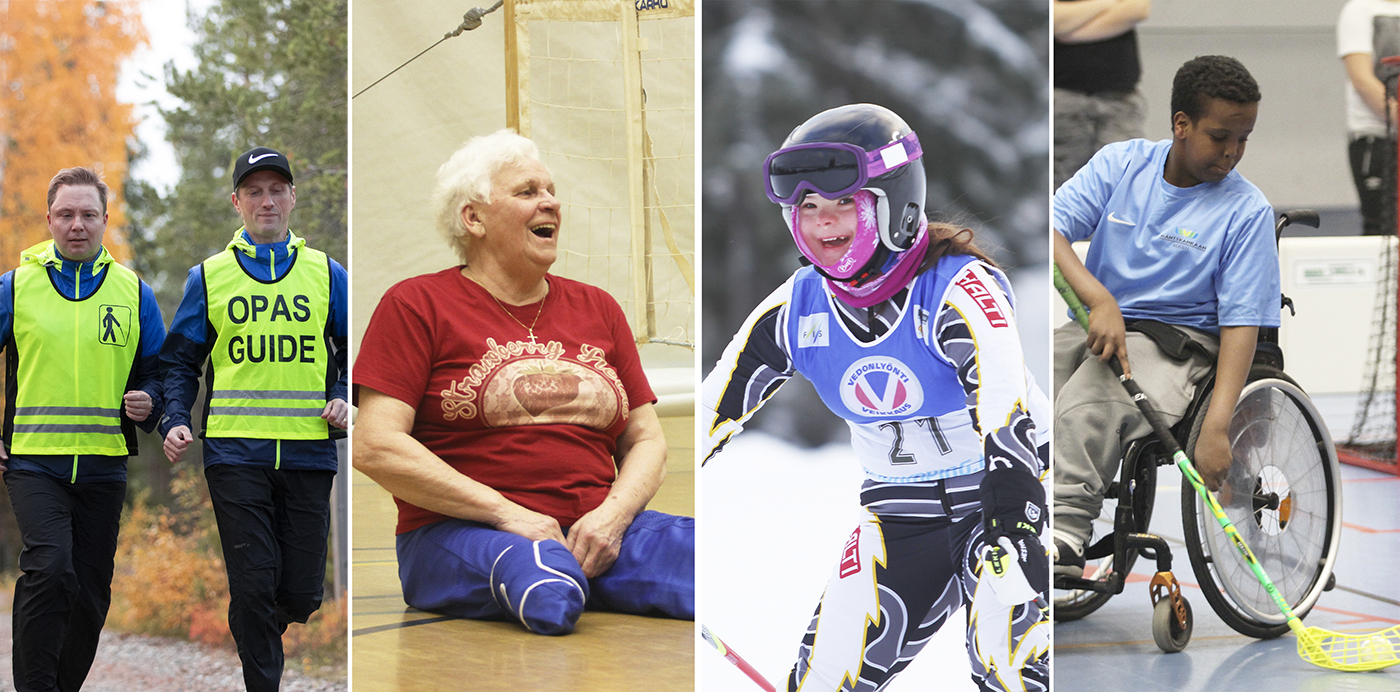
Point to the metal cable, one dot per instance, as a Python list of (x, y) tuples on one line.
[(470, 20)]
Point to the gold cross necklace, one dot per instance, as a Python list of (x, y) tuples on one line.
[(530, 329)]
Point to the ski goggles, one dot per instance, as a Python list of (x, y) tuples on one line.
[(832, 169)]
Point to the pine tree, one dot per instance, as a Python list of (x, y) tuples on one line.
[(268, 73)]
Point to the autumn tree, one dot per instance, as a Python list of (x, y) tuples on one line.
[(268, 73), (59, 61)]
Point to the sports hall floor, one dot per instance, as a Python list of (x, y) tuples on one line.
[(395, 647), (1113, 648)]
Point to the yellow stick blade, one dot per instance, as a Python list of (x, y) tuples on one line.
[(1350, 652)]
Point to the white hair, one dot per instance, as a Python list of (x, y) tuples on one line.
[(466, 179)]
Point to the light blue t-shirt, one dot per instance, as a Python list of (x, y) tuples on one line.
[(1202, 257)]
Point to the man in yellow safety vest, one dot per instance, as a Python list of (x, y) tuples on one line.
[(268, 317), (82, 337)]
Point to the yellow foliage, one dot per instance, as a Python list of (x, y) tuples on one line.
[(322, 640), (170, 581), (58, 108)]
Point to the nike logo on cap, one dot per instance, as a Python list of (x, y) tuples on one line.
[(1125, 223), (259, 157)]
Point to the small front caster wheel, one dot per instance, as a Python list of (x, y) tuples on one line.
[(1167, 630)]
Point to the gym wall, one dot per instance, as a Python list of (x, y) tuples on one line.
[(1297, 154)]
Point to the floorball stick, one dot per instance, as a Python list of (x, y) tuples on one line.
[(1325, 648), (734, 658)]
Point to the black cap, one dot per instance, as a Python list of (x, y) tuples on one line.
[(260, 159)]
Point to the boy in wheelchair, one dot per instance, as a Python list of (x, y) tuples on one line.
[(1181, 273)]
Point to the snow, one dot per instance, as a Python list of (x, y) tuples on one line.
[(775, 520)]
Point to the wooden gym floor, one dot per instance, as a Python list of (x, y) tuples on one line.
[(395, 647)]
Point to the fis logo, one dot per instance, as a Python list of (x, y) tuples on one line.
[(812, 330), (850, 556), (881, 386), (113, 324), (984, 300)]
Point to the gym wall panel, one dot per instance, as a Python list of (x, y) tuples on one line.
[(407, 126), (1297, 154), (1332, 282)]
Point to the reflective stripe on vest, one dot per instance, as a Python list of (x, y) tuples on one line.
[(269, 355), (74, 361)]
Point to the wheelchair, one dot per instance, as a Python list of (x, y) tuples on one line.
[(1282, 493)]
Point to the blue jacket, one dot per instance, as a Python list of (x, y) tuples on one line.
[(187, 351)]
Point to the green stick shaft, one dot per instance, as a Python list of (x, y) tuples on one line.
[(1071, 299), (1189, 470)]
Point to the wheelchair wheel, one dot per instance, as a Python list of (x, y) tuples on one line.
[(1169, 634), (1140, 469), (1282, 494)]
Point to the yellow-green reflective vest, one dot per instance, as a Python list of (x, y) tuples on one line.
[(75, 359), (269, 354)]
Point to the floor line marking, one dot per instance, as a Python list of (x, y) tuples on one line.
[(1368, 594), (1371, 480), (401, 625), (1367, 529), (1364, 617), (1142, 642)]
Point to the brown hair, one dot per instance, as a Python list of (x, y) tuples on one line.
[(79, 175), (947, 239)]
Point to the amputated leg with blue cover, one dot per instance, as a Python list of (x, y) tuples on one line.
[(470, 570)]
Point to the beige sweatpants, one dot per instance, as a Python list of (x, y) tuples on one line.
[(1095, 419)]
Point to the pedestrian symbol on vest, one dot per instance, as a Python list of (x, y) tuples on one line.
[(114, 324)]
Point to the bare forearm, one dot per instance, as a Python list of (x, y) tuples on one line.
[(1106, 335), (1090, 291), (596, 538), (641, 469), (1070, 15), (1232, 370), (1116, 20), (1363, 78), (405, 468)]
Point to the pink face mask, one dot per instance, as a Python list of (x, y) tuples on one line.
[(896, 277), (864, 241)]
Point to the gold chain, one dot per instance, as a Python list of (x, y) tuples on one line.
[(531, 328)]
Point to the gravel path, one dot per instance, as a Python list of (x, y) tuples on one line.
[(127, 662)]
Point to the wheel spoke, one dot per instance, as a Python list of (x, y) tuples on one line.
[(1280, 506)]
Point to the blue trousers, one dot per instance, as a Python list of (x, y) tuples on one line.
[(470, 570)]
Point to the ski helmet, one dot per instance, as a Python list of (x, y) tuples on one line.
[(866, 152)]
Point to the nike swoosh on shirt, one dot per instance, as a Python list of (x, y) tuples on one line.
[(1125, 223), (259, 157)]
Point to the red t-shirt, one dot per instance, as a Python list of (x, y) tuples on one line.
[(537, 422)]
